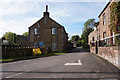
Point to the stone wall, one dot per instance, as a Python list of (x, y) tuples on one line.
[(112, 54), (92, 49)]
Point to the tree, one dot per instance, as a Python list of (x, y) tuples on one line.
[(25, 34), (90, 23), (75, 38), (88, 28), (10, 37)]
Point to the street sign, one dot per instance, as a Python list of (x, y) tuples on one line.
[(40, 43)]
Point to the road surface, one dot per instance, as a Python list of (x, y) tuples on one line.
[(91, 66)]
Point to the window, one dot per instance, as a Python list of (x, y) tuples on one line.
[(104, 19), (54, 46), (35, 45), (113, 38), (35, 30), (104, 36), (54, 30)]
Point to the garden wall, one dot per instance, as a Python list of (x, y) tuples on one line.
[(112, 54), (92, 49)]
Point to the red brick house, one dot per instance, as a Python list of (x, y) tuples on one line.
[(49, 33)]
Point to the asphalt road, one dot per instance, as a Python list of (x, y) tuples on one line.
[(54, 67)]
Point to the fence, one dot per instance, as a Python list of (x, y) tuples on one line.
[(15, 51), (108, 41), (9, 51)]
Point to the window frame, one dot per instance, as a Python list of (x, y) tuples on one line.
[(54, 31), (35, 31), (104, 19)]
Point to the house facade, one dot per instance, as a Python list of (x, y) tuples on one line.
[(46, 32), (102, 33), (103, 41)]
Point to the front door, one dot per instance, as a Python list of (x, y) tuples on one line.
[(96, 48)]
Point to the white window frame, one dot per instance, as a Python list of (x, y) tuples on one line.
[(54, 30), (35, 31), (104, 19)]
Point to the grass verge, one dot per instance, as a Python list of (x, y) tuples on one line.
[(30, 57)]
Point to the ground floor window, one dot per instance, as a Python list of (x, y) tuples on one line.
[(54, 47), (35, 45)]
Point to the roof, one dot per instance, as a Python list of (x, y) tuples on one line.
[(105, 8), (52, 20), (24, 37)]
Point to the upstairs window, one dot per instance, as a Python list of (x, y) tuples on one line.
[(54, 30), (35, 30), (104, 35), (104, 19)]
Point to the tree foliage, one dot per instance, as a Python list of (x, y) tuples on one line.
[(25, 34), (75, 38), (10, 37), (90, 23), (115, 16), (88, 28)]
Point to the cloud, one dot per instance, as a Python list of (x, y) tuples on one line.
[(17, 16), (14, 8), (57, 0), (18, 27)]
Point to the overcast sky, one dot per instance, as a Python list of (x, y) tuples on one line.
[(17, 16)]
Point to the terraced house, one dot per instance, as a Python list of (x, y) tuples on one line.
[(105, 39), (46, 32)]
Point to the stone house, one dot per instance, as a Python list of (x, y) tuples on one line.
[(102, 39), (46, 32), (103, 32)]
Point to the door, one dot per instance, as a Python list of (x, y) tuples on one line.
[(96, 48)]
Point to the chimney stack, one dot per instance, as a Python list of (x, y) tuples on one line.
[(46, 13)]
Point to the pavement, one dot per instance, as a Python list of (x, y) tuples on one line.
[(81, 65)]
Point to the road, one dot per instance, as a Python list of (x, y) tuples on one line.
[(92, 67)]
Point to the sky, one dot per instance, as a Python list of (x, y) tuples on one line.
[(18, 15)]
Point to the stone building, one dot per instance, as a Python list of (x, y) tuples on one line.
[(102, 39), (103, 32), (46, 32)]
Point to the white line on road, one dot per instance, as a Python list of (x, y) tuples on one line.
[(79, 63), (13, 75), (16, 74)]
